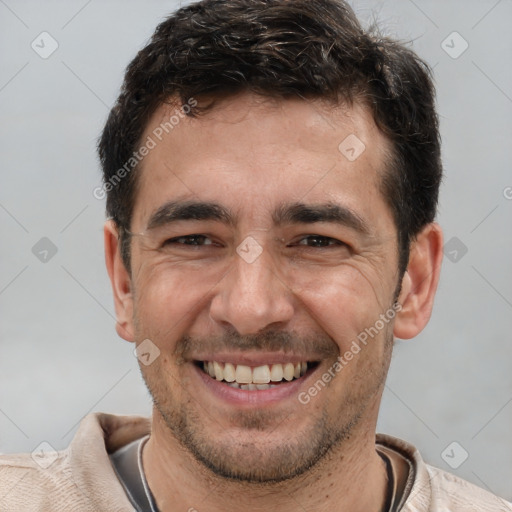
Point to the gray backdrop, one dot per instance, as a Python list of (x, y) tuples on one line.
[(60, 356)]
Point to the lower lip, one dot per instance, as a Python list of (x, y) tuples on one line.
[(251, 398)]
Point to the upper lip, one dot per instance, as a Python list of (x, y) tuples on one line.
[(255, 358)]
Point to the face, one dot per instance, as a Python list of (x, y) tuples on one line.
[(261, 252)]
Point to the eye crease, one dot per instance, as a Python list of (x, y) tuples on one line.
[(193, 240), (313, 241), (320, 241)]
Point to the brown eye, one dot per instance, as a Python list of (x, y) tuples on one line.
[(193, 240), (319, 241)]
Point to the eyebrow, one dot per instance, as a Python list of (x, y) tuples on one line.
[(292, 213), (300, 213), (174, 211)]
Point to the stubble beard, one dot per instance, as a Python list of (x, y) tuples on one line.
[(255, 458)]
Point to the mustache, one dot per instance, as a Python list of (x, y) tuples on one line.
[(314, 347)]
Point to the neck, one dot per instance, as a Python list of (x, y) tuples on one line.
[(351, 477)]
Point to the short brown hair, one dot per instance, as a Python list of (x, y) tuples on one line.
[(283, 48)]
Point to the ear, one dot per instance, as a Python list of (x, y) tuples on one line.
[(120, 281), (419, 283)]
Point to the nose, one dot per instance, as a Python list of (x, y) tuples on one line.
[(252, 297)]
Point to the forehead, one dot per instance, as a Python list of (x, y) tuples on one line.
[(247, 151)]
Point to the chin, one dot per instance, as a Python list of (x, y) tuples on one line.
[(260, 449)]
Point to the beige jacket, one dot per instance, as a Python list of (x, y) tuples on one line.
[(81, 478)]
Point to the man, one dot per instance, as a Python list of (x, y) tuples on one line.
[(272, 174)]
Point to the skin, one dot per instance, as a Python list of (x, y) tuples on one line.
[(304, 297)]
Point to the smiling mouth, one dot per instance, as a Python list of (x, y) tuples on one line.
[(256, 378)]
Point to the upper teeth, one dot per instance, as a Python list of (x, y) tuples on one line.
[(264, 374)]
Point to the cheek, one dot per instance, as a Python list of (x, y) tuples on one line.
[(168, 297), (343, 301)]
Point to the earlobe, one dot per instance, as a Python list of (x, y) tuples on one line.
[(120, 281), (419, 282)]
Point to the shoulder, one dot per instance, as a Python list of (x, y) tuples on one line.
[(37, 482), (79, 478), (450, 492), (432, 489)]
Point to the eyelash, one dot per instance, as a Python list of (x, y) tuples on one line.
[(332, 242), (175, 240), (336, 243)]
